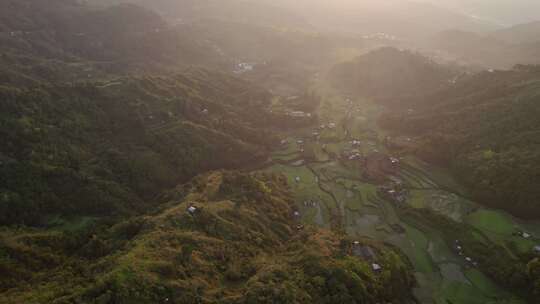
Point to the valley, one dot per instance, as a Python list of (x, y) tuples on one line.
[(327, 171), (267, 152)]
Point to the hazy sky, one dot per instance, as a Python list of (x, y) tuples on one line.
[(502, 11)]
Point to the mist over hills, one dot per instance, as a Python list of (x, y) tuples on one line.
[(504, 12), (257, 151)]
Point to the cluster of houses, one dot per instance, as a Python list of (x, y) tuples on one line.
[(353, 155), (310, 203), (244, 67), (367, 253), (394, 191), (527, 236), (299, 114), (522, 234), (459, 250), (330, 126), (355, 143)]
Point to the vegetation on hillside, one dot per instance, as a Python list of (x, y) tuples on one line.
[(105, 148), (240, 245), (389, 74), (486, 128)]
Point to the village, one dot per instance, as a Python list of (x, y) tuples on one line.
[(363, 180)]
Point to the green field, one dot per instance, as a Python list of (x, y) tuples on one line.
[(441, 273), (491, 221)]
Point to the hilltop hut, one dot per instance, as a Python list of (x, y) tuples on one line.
[(376, 267)]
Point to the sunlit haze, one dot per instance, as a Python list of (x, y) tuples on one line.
[(269, 151)]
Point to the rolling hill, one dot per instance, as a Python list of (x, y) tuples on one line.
[(486, 128), (521, 33), (239, 245), (104, 148), (389, 74)]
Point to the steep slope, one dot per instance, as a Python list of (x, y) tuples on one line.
[(103, 148), (488, 50), (388, 74), (487, 128), (247, 12), (63, 40), (405, 19), (240, 245), (521, 33)]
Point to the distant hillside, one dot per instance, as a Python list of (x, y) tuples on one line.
[(105, 148), (521, 33), (63, 40), (486, 128), (239, 246), (402, 18), (488, 50), (389, 74), (241, 11)]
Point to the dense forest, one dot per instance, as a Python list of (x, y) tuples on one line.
[(239, 245), (143, 144), (389, 75), (483, 125), (102, 116), (486, 128)]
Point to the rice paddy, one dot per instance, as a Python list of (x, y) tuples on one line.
[(339, 188)]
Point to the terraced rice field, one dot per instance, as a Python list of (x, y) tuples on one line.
[(340, 189)]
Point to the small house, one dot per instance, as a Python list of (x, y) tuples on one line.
[(537, 249), (364, 252), (526, 235), (192, 209), (376, 267), (297, 179)]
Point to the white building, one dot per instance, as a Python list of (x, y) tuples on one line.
[(192, 209)]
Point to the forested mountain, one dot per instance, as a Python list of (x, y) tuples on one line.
[(497, 50), (521, 33), (390, 74), (63, 40), (238, 246), (103, 148), (101, 118), (242, 11), (211, 151), (483, 125), (486, 127)]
